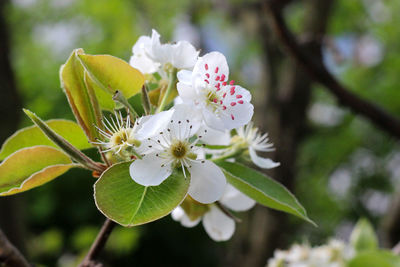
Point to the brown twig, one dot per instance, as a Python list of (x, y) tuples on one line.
[(318, 72), (10, 255), (98, 245)]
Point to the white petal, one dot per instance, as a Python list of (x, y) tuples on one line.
[(184, 55), (178, 214), (262, 162), (217, 225), (236, 200), (187, 222), (186, 92), (207, 182), (143, 43), (140, 59), (212, 120), (209, 67), (160, 52), (239, 111), (144, 64), (187, 116), (237, 116), (215, 137), (185, 76), (148, 171), (178, 100), (153, 124)]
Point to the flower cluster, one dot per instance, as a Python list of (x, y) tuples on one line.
[(334, 254), (210, 120)]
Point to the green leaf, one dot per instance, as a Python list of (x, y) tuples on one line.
[(363, 236), (32, 167), (104, 97), (262, 189), (33, 136), (112, 74), (377, 258), (122, 200), (82, 99)]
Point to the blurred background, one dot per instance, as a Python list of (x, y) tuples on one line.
[(339, 165)]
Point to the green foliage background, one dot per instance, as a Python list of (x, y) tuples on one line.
[(61, 219)]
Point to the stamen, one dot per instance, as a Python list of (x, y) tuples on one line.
[(232, 117), (231, 82), (222, 77), (233, 104), (240, 101), (206, 66), (208, 76), (223, 107), (217, 78), (216, 70), (232, 90), (206, 81), (238, 96)]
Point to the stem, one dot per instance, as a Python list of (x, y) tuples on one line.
[(119, 97), (227, 212), (10, 255), (172, 79), (146, 100), (67, 147), (98, 244), (227, 156)]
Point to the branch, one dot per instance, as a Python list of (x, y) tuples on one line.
[(10, 255), (319, 73), (98, 245)]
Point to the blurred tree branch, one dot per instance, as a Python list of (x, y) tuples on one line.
[(288, 94), (98, 245), (10, 109), (10, 255), (314, 66)]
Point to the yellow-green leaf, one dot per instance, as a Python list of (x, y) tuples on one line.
[(104, 97), (82, 100), (32, 167), (112, 73), (33, 136)]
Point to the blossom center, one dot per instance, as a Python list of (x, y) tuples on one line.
[(120, 137), (179, 149)]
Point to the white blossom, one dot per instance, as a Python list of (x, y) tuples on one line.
[(249, 136), (174, 148), (150, 56), (124, 138), (217, 224), (223, 105), (333, 254)]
